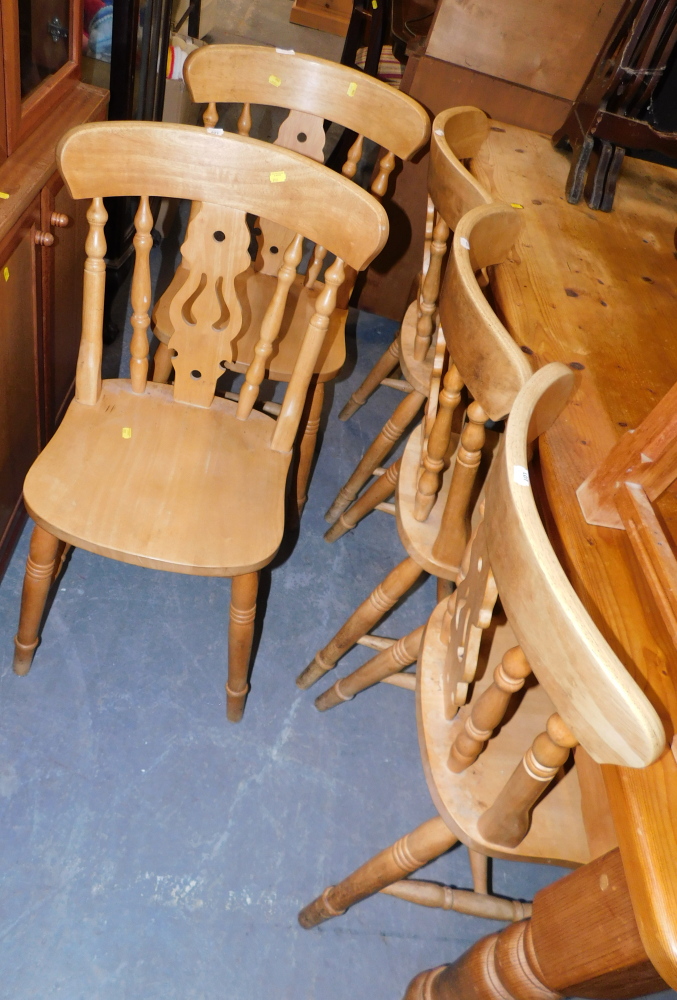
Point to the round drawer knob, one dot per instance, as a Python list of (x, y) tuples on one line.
[(43, 239), (59, 220)]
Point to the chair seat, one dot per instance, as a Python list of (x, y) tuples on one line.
[(149, 481), (257, 291), (417, 373), (557, 833)]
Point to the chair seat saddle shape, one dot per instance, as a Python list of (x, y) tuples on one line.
[(109, 482), (314, 90), (176, 478)]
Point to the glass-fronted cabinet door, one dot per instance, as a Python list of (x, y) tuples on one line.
[(41, 47)]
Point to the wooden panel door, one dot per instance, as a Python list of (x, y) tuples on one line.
[(62, 271), (20, 419)]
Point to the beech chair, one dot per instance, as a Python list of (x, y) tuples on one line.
[(457, 135), (314, 89), (489, 363), (174, 478), (497, 769)]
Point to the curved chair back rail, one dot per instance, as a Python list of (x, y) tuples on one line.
[(110, 159), (589, 686), (488, 359), (259, 75), (457, 134)]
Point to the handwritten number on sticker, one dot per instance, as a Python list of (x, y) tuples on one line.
[(352, 87), (520, 475), (277, 176), (275, 80), (126, 432)]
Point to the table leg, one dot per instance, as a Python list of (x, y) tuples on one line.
[(581, 941)]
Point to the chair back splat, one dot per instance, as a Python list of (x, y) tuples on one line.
[(229, 177)]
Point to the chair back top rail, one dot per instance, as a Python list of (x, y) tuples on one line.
[(457, 135), (110, 159), (257, 74), (589, 686), (488, 359)]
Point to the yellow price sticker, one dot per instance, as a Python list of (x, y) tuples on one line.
[(277, 176), (5, 273), (3, 194), (275, 80), (374, 4), (352, 87), (514, 204), (126, 432)]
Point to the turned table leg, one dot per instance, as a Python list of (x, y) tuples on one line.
[(582, 941)]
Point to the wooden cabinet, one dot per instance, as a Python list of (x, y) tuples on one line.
[(62, 275), (42, 234), (20, 378)]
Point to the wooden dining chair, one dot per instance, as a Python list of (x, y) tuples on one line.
[(457, 135), (498, 769), (176, 478), (314, 90), (489, 363)]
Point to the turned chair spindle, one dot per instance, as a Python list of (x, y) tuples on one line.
[(88, 371), (141, 295), (506, 822), (270, 327), (489, 709)]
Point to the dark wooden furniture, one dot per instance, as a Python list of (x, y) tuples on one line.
[(607, 116), (41, 232)]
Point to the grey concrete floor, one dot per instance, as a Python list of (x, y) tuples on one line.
[(152, 851)]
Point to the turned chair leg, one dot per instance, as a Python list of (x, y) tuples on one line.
[(162, 364), (386, 663), (479, 869), (40, 573), (310, 428), (369, 613), (391, 433), (240, 638), (381, 489), (383, 367), (406, 855)]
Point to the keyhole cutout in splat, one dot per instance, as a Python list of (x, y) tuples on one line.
[(206, 312)]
